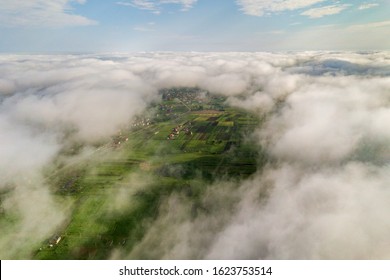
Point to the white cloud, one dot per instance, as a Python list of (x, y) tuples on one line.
[(42, 99), (262, 7), (326, 195), (368, 6), (40, 13), (142, 5), (186, 4), (326, 127), (155, 5), (332, 213), (368, 26), (325, 11)]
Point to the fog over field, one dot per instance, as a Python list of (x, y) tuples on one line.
[(324, 194)]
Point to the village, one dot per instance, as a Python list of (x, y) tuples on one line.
[(188, 138), (185, 128)]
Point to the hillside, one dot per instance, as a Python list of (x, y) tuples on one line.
[(179, 146)]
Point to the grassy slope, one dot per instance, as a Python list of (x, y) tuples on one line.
[(216, 148)]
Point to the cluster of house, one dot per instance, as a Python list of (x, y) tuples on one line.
[(166, 108), (166, 111), (176, 131), (187, 131), (119, 139), (55, 240), (186, 96), (141, 122)]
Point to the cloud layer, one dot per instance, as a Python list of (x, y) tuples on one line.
[(324, 194)]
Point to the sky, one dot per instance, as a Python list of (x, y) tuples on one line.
[(31, 26)]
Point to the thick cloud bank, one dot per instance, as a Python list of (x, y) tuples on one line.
[(325, 193)]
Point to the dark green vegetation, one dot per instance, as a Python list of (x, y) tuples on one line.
[(182, 144)]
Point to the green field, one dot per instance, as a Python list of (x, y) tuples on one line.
[(184, 145)]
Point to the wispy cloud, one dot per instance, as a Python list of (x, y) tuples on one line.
[(142, 5), (262, 7), (40, 13), (186, 4), (325, 11), (154, 6), (368, 6), (370, 25)]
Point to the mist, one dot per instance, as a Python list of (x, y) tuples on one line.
[(324, 194)]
